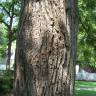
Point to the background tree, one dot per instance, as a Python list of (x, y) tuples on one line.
[(87, 33), (45, 53), (9, 13)]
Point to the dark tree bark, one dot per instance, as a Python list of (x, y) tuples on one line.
[(9, 52), (46, 45)]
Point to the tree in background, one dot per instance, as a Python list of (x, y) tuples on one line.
[(45, 53), (87, 33), (9, 13)]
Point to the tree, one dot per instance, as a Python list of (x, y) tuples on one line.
[(46, 46), (87, 33), (9, 13)]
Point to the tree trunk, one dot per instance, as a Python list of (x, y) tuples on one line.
[(10, 36), (45, 53), (9, 53)]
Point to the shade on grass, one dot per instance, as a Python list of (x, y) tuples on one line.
[(85, 93)]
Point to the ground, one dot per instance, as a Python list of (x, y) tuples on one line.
[(83, 88)]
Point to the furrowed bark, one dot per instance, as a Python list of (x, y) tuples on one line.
[(45, 48)]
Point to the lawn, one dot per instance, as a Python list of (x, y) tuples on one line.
[(83, 88)]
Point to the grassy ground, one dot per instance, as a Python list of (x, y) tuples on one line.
[(82, 84)]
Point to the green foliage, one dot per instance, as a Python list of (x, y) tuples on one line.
[(86, 47), (3, 41), (1, 17), (6, 82), (2, 51)]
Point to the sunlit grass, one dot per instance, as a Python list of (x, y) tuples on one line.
[(86, 85)]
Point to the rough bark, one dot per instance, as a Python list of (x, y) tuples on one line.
[(45, 50)]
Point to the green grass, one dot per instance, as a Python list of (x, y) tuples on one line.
[(84, 84), (85, 93)]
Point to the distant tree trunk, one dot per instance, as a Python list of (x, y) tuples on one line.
[(10, 36), (45, 53), (9, 54)]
